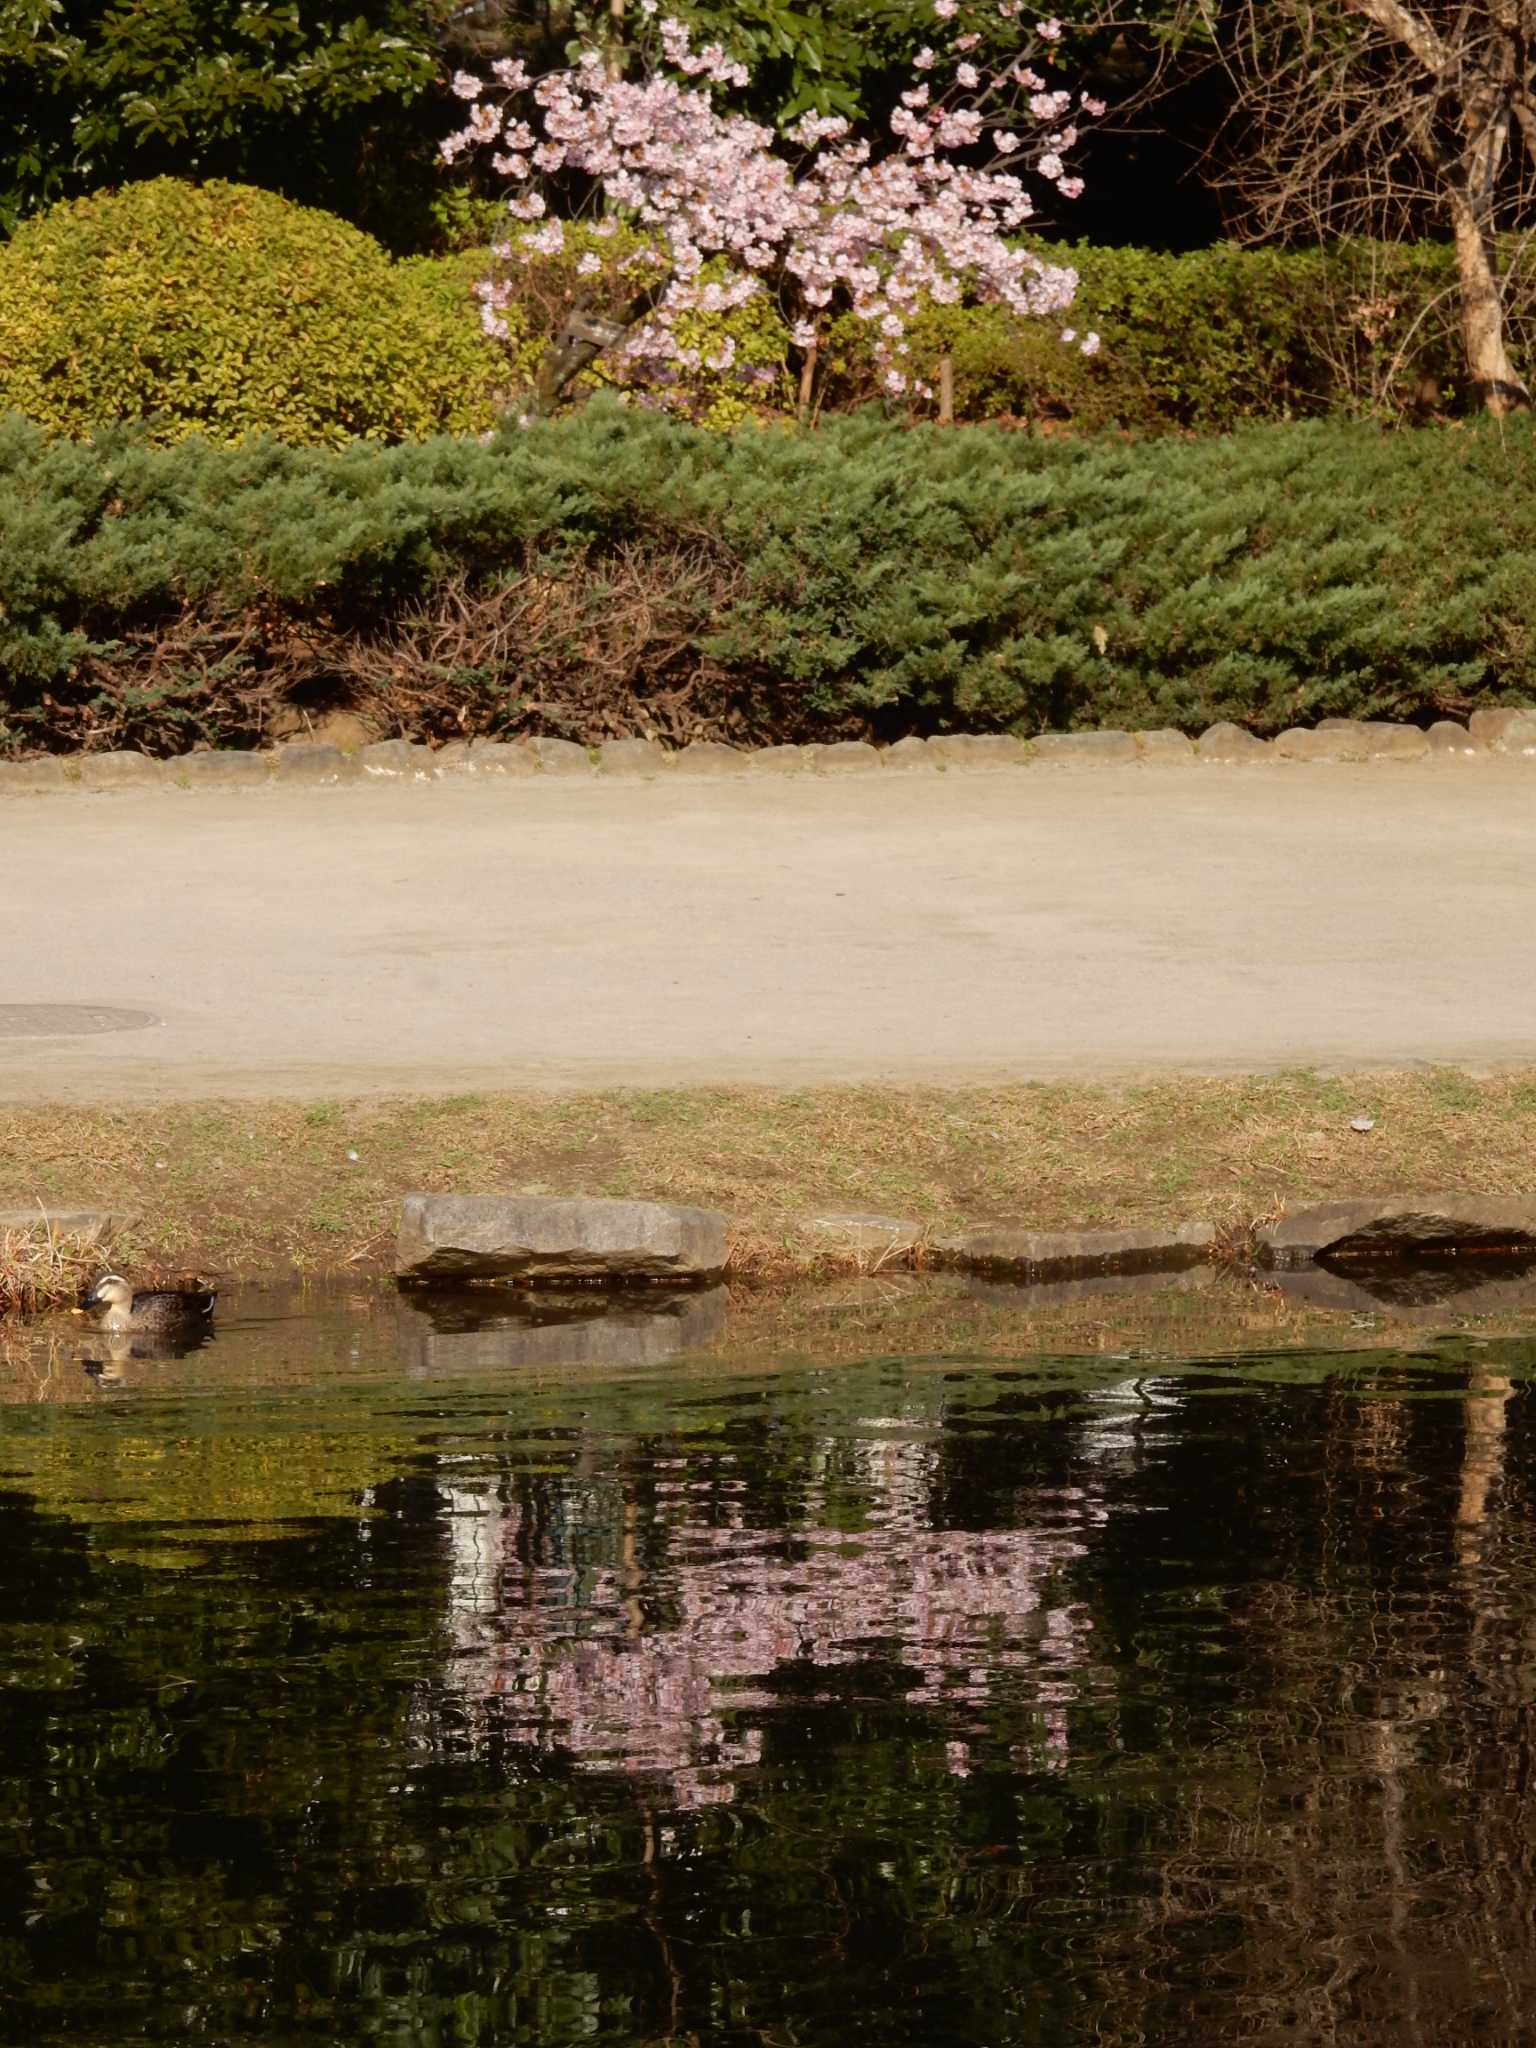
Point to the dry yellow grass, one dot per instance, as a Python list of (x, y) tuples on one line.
[(239, 1188), (41, 1268)]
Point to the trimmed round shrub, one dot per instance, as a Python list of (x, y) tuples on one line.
[(225, 311)]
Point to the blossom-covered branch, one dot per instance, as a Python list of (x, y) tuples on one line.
[(817, 216)]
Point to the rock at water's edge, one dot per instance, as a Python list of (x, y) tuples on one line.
[(1072, 1252), (1395, 1226), (545, 1237)]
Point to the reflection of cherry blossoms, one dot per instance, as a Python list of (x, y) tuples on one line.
[(573, 1663)]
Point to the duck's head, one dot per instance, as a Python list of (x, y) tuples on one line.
[(110, 1290)]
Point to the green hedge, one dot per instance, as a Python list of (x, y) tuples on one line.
[(1204, 341), (224, 310), (587, 575)]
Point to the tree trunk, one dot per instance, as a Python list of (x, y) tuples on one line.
[(1494, 377), (577, 346)]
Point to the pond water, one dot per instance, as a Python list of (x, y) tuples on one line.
[(379, 1676)]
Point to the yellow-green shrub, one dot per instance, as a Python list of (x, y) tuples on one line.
[(223, 310)]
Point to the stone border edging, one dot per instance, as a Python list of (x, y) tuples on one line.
[(1508, 732)]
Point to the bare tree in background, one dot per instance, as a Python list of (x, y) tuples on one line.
[(1386, 118)]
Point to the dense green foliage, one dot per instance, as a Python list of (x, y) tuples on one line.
[(618, 572), (224, 310), (332, 103), (1204, 340)]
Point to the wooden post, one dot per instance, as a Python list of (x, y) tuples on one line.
[(946, 390)]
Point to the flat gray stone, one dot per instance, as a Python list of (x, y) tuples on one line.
[(503, 757), (120, 769), (1073, 1253), (912, 753), (311, 761), (710, 757), (399, 760), (861, 1235), (551, 1237), (1389, 1226), (1085, 748), (1510, 730), (47, 772), (777, 761), (454, 757), (1164, 743), (978, 749), (641, 760), (1445, 737), (559, 757), (843, 757), (220, 769), (1228, 743)]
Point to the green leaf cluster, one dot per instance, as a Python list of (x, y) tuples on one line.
[(226, 311), (318, 101), (866, 576)]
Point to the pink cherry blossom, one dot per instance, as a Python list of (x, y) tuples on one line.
[(876, 230)]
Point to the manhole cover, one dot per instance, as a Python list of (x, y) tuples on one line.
[(69, 1020)]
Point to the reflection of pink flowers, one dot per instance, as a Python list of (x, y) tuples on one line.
[(575, 1666)]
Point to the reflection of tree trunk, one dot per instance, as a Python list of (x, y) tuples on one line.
[(1482, 1458)]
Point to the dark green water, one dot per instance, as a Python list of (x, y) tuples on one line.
[(378, 1692)]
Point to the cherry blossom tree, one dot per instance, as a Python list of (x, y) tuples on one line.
[(823, 219)]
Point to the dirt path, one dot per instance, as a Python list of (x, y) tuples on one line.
[(1022, 923)]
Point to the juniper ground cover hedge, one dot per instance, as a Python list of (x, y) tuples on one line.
[(618, 573)]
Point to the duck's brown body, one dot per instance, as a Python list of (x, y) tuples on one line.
[(120, 1307)]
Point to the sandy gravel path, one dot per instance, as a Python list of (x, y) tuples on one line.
[(1010, 924)]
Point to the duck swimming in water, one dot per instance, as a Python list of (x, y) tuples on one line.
[(170, 1309)]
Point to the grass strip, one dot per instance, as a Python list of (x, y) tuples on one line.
[(243, 1188)]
